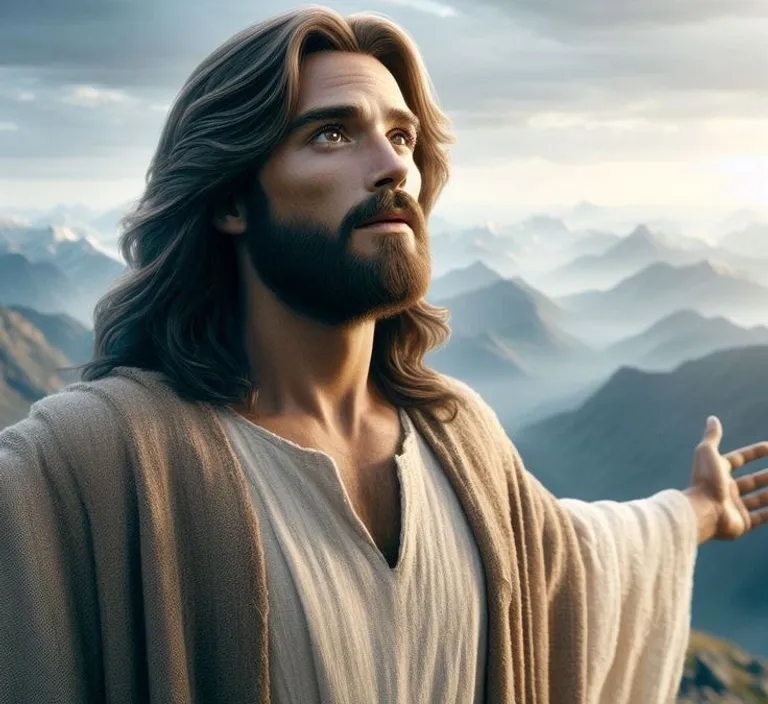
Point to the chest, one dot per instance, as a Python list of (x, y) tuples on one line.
[(368, 472)]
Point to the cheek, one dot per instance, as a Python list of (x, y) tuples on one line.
[(302, 189)]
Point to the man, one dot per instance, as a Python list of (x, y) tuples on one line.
[(255, 495)]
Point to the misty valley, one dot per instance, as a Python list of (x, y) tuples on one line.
[(601, 345)]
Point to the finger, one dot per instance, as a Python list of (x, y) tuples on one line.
[(752, 482), (758, 518), (713, 432), (755, 502), (750, 453)]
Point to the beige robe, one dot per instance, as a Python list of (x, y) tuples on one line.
[(132, 566)]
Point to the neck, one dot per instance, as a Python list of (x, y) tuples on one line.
[(309, 370)]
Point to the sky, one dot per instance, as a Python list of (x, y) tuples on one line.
[(641, 103)]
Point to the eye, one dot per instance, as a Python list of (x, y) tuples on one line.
[(326, 129), (410, 137)]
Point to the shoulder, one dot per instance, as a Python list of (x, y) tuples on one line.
[(473, 403), (482, 424), (87, 422)]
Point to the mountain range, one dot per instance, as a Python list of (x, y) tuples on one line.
[(626, 257), (661, 289), (681, 336), (519, 315), (604, 392), (52, 270), (83, 221), (636, 435), (751, 241), (454, 248)]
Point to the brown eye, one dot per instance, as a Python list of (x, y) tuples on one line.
[(328, 129), (410, 139), (406, 138)]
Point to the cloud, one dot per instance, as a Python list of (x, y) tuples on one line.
[(8, 127), (428, 6), (91, 97), (623, 13), (558, 80)]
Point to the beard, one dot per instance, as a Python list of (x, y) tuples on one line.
[(312, 270)]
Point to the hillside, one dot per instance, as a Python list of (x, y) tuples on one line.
[(682, 336), (482, 357), (62, 332), (54, 257), (524, 319), (29, 366), (41, 286), (635, 436), (470, 278), (718, 671)]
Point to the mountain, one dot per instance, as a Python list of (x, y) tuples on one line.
[(61, 332), (29, 366), (89, 271), (476, 275), (41, 286), (80, 219), (636, 436), (584, 213), (626, 257), (34, 242), (483, 357), (92, 271), (592, 242), (64, 215), (751, 241), (682, 336), (107, 223), (738, 220), (661, 289), (452, 249), (521, 317), (75, 255), (542, 229)]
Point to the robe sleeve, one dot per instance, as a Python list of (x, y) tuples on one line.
[(49, 628), (639, 558)]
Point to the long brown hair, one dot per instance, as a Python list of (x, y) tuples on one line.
[(178, 309)]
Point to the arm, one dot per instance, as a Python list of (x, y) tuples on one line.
[(639, 558), (49, 627)]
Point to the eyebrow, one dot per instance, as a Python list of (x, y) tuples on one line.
[(347, 112)]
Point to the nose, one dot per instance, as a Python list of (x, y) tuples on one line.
[(391, 166)]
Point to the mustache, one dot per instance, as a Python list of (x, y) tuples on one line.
[(383, 202)]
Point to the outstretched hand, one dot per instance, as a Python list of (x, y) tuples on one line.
[(739, 505)]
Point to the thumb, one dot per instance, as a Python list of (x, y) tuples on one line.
[(713, 432)]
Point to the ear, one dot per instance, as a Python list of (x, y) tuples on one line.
[(230, 218)]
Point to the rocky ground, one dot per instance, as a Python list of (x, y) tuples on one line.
[(718, 671)]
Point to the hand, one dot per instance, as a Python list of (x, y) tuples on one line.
[(734, 506)]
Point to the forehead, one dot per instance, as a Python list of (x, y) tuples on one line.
[(331, 77)]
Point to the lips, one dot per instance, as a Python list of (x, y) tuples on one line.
[(380, 222), (388, 217)]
